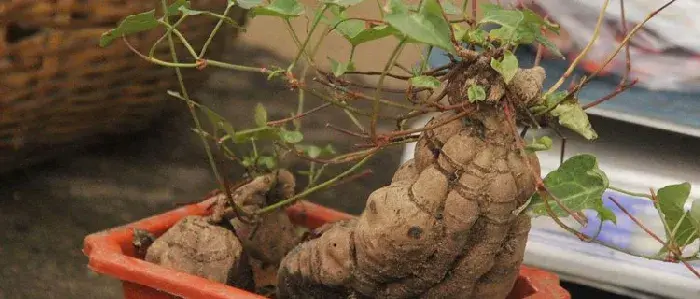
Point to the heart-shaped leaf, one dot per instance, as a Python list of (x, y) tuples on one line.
[(131, 24), (507, 67), (279, 8), (248, 4), (427, 26), (476, 93), (290, 136), (579, 184), (343, 3), (544, 143), (671, 203), (260, 115), (340, 68), (572, 116), (425, 81)]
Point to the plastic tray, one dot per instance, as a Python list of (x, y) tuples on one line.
[(111, 253)]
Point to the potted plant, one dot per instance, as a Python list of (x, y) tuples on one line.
[(453, 221)]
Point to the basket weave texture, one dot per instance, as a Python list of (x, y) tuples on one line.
[(59, 90)]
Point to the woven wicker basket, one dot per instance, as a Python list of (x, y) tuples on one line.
[(59, 90)]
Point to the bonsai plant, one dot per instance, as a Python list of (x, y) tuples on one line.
[(453, 221)]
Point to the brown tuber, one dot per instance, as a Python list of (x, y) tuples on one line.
[(223, 248), (446, 225)]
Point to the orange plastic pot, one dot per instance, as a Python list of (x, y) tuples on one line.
[(111, 253)]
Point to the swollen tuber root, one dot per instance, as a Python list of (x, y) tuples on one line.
[(446, 226), (200, 248), (222, 248)]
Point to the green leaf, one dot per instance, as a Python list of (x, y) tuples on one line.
[(573, 117), (174, 8), (519, 27), (130, 25), (695, 214), (248, 161), (290, 136), (248, 4), (509, 20), (450, 8), (267, 162), (579, 184), (217, 121), (476, 93), (330, 150), (671, 203), (315, 151), (185, 10), (264, 133), (340, 68), (507, 67), (549, 102), (477, 37), (425, 81), (343, 3), (427, 26), (279, 8), (460, 32), (542, 144), (549, 45), (260, 115), (357, 33)]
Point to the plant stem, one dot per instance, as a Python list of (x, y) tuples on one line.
[(216, 29), (630, 193), (622, 44), (378, 92), (424, 63), (182, 38), (242, 132), (302, 50), (162, 38), (583, 53), (313, 189), (236, 67), (185, 95)]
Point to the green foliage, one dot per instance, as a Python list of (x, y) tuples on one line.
[(695, 214), (248, 4), (427, 26), (340, 68), (217, 121), (507, 67), (476, 93), (130, 25), (450, 8), (517, 26), (290, 136), (145, 21), (277, 8), (260, 115), (343, 3), (544, 143), (315, 151), (549, 102), (681, 223), (572, 116), (579, 184), (425, 81)]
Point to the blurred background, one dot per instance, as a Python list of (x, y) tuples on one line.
[(90, 141)]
